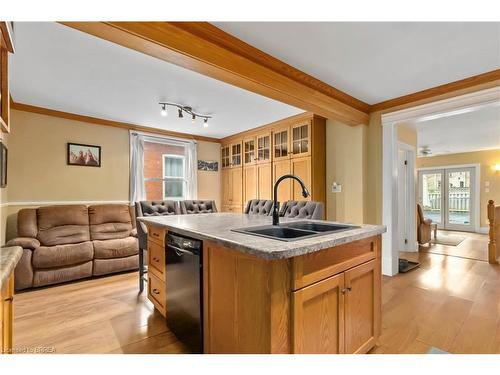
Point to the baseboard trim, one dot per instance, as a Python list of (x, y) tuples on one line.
[(59, 203)]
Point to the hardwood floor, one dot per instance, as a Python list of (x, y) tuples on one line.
[(449, 303), (475, 246)]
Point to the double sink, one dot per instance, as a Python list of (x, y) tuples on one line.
[(293, 231)]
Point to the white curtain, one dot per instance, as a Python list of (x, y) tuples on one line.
[(191, 171), (137, 188)]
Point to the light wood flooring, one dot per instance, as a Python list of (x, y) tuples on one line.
[(475, 246), (450, 303)]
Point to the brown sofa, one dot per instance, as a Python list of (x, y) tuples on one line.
[(64, 243)]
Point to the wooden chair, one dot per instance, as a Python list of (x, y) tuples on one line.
[(494, 234)]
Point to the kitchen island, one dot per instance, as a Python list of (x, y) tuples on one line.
[(319, 294)]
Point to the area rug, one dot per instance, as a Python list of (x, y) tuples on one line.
[(448, 239), (433, 350)]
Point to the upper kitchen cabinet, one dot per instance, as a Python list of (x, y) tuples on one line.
[(6, 47), (293, 145)]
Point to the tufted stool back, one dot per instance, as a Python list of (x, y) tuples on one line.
[(152, 208), (197, 207), (259, 207), (303, 210)]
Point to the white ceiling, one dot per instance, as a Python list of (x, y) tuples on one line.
[(472, 131), (378, 61), (64, 69)]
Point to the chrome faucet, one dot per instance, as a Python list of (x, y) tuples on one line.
[(305, 194)]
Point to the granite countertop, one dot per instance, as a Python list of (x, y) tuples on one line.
[(9, 256), (217, 228)]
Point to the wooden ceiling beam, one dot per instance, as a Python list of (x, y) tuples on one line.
[(203, 48)]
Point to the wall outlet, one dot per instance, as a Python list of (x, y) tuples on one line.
[(336, 188)]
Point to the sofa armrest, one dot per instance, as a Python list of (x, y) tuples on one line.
[(24, 242), (133, 232)]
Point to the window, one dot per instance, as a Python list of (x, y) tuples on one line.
[(174, 179)]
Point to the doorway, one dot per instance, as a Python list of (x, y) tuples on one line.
[(449, 197)]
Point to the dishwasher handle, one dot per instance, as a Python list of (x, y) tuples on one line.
[(180, 252)]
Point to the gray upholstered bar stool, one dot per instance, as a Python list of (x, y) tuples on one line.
[(303, 210), (259, 207), (197, 207), (150, 208)]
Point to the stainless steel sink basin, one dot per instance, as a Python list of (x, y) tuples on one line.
[(318, 227), (293, 231)]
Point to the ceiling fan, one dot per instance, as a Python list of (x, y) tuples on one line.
[(425, 151)]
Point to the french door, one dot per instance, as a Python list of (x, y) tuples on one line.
[(447, 197)]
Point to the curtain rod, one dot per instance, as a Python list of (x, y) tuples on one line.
[(163, 138)]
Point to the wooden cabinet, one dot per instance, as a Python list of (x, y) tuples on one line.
[(156, 268), (327, 301), (6, 46), (319, 308), (232, 190), (362, 307), (6, 315), (302, 168), (343, 308), (295, 145)]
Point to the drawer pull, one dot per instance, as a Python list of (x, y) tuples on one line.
[(156, 234), (156, 291), (156, 259)]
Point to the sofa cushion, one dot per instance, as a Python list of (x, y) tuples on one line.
[(60, 275), (27, 223), (58, 225), (24, 242), (106, 266), (110, 221), (62, 255), (116, 248)]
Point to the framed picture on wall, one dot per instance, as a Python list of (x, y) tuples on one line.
[(3, 165), (84, 155)]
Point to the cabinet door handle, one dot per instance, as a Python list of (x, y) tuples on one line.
[(156, 234), (156, 259), (156, 291), (348, 289)]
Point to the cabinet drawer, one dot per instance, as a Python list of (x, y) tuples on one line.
[(156, 234), (156, 260), (156, 293), (311, 268)]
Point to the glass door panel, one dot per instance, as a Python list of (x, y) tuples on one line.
[(431, 194), (459, 213)]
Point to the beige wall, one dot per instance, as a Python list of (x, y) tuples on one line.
[(487, 160), (407, 135), (345, 164), (38, 171)]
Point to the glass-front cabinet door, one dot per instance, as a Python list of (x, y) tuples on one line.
[(225, 157), (263, 148), (301, 139), (281, 143), (236, 155), (249, 151)]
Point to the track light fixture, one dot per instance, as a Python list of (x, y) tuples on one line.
[(181, 109)]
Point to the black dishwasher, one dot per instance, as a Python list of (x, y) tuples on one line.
[(184, 290)]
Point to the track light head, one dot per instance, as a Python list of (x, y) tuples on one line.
[(205, 123), (193, 118), (180, 113), (164, 112)]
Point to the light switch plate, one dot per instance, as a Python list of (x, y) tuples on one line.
[(336, 188)]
